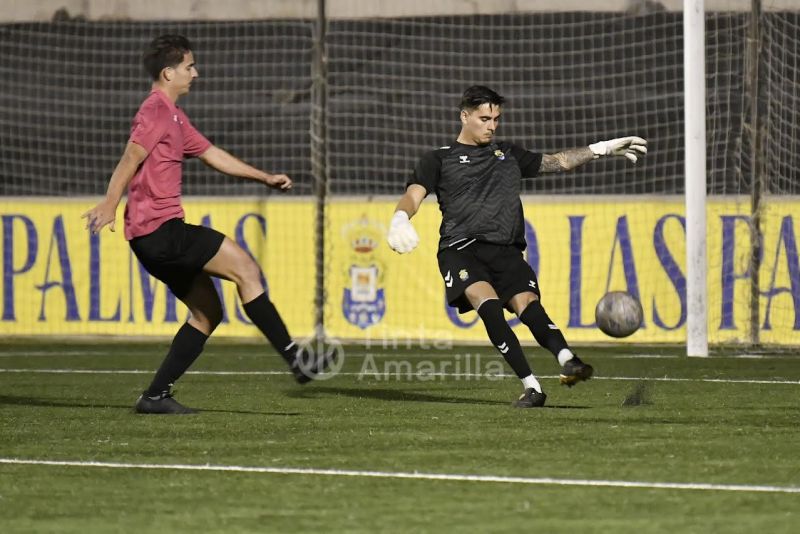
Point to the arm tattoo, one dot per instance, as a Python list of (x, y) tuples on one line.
[(566, 160)]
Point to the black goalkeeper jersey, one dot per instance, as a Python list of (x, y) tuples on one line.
[(478, 189)]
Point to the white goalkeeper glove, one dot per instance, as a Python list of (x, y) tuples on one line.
[(402, 236), (630, 147)]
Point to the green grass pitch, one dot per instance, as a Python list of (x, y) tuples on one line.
[(724, 431)]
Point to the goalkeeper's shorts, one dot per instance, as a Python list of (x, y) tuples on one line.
[(502, 266)]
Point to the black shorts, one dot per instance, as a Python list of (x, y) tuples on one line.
[(502, 266), (176, 252)]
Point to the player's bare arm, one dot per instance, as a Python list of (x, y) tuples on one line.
[(566, 160), (105, 212), (411, 200), (227, 163), (628, 147)]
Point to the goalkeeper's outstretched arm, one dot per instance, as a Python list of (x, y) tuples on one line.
[(628, 147), (402, 237)]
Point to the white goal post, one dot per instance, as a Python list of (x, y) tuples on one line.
[(694, 65)]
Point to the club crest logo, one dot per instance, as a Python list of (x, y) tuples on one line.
[(363, 302), (463, 275), (499, 154)]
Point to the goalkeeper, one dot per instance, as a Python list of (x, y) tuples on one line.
[(181, 255), (477, 183)]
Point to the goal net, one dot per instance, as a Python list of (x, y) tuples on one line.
[(571, 79)]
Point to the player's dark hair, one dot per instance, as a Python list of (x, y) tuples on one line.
[(477, 95), (165, 51)]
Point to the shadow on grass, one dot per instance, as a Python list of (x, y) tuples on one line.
[(397, 395), (83, 403)]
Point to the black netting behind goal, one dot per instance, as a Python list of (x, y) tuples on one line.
[(69, 90)]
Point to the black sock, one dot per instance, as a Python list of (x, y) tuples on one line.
[(186, 347), (543, 329), (262, 312), (501, 335)]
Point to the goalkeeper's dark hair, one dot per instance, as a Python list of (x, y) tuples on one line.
[(165, 51), (477, 95)]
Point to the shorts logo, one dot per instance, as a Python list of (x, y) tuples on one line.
[(532, 284), (463, 274), (499, 154), (448, 280), (463, 159)]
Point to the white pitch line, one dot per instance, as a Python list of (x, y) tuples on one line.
[(385, 376), (415, 355), (99, 355), (135, 372), (416, 476), (68, 354), (643, 356)]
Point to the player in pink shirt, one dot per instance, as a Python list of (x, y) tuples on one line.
[(185, 256)]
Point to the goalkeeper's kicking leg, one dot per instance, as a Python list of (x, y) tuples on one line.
[(530, 311), (233, 263), (484, 299)]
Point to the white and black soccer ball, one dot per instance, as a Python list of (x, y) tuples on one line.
[(618, 314)]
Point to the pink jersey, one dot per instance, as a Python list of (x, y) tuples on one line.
[(154, 194)]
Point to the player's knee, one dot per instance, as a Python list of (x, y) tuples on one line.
[(248, 280), (207, 316), (203, 323), (249, 273), (521, 302), (207, 322)]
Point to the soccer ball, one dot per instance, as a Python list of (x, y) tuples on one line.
[(618, 314)]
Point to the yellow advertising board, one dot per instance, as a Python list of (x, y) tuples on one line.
[(59, 280), (580, 249)]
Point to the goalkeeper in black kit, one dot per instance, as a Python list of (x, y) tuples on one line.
[(477, 183)]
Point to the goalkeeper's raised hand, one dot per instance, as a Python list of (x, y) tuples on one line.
[(630, 147), (402, 236)]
